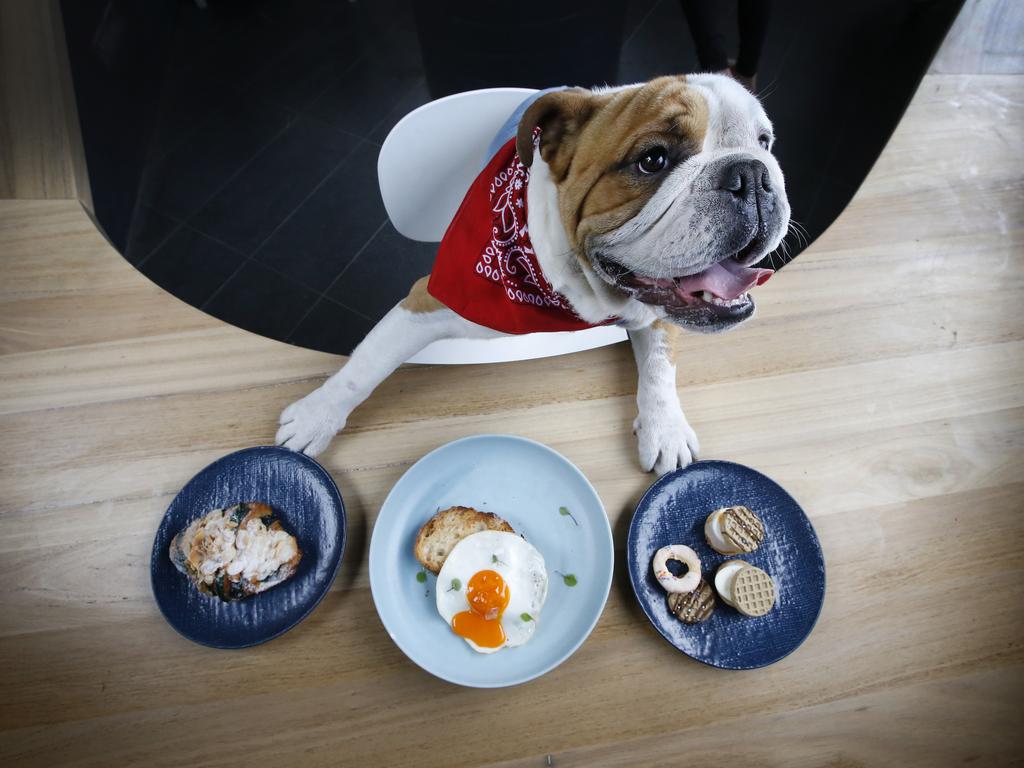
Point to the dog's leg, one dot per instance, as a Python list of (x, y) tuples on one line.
[(307, 425), (666, 439)]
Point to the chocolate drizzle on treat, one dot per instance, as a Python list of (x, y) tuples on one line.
[(742, 527), (693, 607)]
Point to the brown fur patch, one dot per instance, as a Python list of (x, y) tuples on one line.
[(592, 141), (419, 300), (671, 331)]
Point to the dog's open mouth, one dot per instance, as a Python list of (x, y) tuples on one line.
[(722, 286)]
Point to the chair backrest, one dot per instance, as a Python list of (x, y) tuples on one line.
[(434, 153)]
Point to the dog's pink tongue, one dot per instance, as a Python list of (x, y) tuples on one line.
[(726, 279)]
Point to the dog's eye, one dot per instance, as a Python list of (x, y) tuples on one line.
[(654, 160), (764, 140)]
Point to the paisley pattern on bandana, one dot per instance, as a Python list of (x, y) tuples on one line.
[(509, 257), (486, 269)]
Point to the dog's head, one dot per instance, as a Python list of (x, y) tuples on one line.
[(668, 191)]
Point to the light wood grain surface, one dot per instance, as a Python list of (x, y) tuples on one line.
[(41, 153), (881, 384)]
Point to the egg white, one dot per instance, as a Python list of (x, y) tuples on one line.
[(517, 562)]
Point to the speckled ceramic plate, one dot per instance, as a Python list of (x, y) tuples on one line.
[(547, 500), (673, 511), (309, 506)]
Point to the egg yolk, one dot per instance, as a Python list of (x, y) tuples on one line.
[(488, 596)]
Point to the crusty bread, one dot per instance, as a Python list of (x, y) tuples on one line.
[(236, 552), (447, 528)]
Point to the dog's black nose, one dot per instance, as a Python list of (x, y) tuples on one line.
[(744, 177)]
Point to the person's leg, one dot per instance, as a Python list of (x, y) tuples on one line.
[(707, 27), (753, 17)]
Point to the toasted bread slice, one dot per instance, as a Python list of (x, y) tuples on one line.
[(447, 528)]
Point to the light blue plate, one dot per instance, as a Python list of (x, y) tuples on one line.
[(526, 483)]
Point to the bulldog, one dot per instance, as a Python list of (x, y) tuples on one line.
[(645, 205)]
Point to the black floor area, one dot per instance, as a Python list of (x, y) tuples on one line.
[(241, 172), (260, 203)]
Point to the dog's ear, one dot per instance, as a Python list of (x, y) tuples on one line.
[(560, 115)]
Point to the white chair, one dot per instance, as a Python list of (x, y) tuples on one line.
[(426, 164)]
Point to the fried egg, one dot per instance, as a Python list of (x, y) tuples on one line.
[(491, 590)]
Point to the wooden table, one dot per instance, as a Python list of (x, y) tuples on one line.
[(881, 384)]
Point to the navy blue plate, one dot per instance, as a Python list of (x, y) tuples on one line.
[(673, 511), (310, 508)]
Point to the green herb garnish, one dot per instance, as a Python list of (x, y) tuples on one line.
[(525, 617), (421, 577), (495, 559), (568, 578), (456, 586), (564, 512)]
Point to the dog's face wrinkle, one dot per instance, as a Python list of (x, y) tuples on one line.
[(619, 211), (679, 219), (600, 166), (689, 222), (621, 190)]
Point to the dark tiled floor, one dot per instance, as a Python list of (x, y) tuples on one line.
[(323, 234), (306, 71), (181, 182), (261, 189), (415, 96), (659, 43), (359, 102), (274, 184), (369, 286), (191, 266), (261, 300), (149, 230), (191, 97), (259, 198), (330, 326)]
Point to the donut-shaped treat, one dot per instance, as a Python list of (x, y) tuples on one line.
[(671, 583)]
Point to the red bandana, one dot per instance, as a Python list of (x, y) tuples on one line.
[(486, 269)]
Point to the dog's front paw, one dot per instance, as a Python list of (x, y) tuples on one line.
[(666, 441), (307, 425)]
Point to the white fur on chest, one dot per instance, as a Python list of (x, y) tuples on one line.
[(592, 299)]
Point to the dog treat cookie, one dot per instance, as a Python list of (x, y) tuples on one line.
[(725, 577), (753, 591), (734, 530), (669, 581), (693, 607)]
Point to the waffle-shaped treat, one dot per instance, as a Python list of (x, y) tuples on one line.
[(753, 591), (734, 530)]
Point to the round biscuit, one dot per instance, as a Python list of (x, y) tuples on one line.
[(753, 592), (727, 570), (693, 607), (709, 536), (743, 528)]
